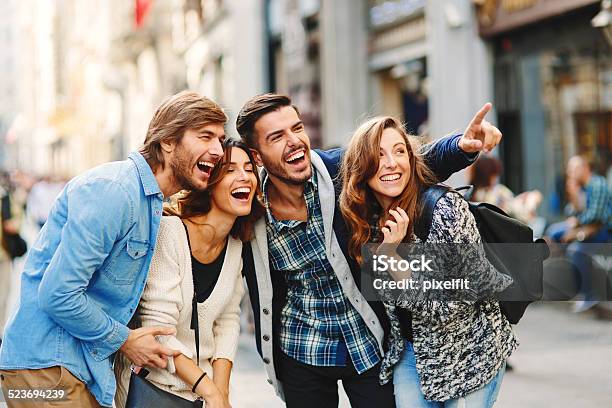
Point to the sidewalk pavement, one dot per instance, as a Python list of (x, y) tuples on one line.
[(564, 361)]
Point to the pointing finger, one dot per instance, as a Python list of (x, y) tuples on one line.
[(480, 115)]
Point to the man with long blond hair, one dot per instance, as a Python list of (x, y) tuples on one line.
[(86, 272), (313, 325)]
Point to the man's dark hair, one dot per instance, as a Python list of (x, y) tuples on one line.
[(254, 109)]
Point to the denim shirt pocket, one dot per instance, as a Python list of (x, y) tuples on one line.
[(137, 249), (128, 262)]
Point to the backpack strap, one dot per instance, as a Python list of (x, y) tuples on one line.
[(469, 191), (429, 199)]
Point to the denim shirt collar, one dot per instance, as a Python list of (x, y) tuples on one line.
[(149, 182)]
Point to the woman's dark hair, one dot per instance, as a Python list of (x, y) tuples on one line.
[(483, 170), (193, 203)]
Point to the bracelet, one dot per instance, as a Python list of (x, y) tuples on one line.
[(195, 385)]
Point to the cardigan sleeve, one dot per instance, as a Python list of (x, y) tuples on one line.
[(162, 298), (226, 327)]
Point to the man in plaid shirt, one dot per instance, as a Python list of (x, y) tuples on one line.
[(590, 224), (313, 325), (318, 325)]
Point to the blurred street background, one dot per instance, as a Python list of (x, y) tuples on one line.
[(80, 80)]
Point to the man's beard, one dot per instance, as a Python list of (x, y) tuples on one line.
[(181, 169), (277, 170)]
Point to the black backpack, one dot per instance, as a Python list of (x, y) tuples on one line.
[(523, 263)]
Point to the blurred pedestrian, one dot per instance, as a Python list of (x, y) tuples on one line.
[(83, 277), (484, 175), (5, 260), (13, 245), (41, 198), (589, 223)]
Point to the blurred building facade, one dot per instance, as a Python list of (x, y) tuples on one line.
[(224, 51), (27, 81), (553, 89), (81, 83), (8, 68), (63, 114), (433, 63), (398, 61), (343, 61)]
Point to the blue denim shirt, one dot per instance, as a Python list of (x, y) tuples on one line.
[(85, 274)]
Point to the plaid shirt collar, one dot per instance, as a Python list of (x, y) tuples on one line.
[(310, 191)]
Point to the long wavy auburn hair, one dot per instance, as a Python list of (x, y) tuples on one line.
[(360, 163), (189, 204)]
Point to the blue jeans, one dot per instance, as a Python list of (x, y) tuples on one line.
[(408, 392), (580, 253)]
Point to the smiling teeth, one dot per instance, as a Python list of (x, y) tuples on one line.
[(206, 163), (390, 177), (241, 190), (295, 156)]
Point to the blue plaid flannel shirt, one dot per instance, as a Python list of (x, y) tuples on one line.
[(598, 202), (319, 326)]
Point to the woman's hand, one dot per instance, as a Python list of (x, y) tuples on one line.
[(217, 400), (212, 395), (395, 231)]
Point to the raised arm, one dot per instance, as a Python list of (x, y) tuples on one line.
[(454, 153), (447, 155), (444, 157)]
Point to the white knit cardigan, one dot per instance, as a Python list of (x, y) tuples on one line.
[(167, 301)]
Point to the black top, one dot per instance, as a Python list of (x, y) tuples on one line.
[(6, 207), (205, 276)]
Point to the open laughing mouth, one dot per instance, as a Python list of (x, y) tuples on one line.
[(390, 178), (296, 158), (206, 167), (241, 193)]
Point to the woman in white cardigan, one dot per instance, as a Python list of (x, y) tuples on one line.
[(198, 252)]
